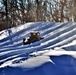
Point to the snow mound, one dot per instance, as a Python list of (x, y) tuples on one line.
[(53, 55)]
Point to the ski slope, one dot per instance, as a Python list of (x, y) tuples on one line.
[(53, 55)]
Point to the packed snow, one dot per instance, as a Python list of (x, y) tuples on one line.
[(53, 55)]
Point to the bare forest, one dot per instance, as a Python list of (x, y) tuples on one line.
[(15, 12)]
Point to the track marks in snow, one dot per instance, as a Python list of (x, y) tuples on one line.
[(55, 35)]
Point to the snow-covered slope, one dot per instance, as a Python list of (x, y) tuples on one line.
[(54, 55)]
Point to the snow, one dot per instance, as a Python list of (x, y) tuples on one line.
[(53, 55)]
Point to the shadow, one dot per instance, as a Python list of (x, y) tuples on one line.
[(10, 33), (64, 65)]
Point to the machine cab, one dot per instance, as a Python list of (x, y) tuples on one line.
[(34, 36)]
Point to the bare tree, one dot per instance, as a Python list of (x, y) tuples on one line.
[(15, 12)]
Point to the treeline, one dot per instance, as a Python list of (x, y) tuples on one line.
[(15, 12)]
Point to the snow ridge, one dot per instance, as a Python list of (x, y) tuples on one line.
[(56, 35)]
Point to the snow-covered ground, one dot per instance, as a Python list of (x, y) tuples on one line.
[(53, 55)]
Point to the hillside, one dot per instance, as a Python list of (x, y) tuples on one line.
[(53, 55)]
